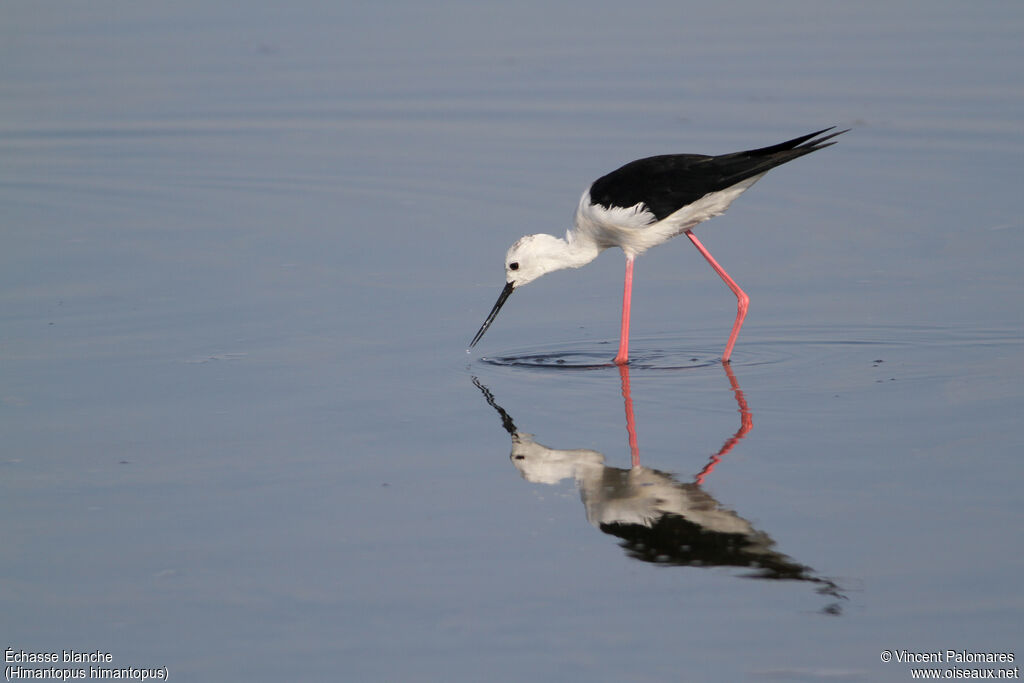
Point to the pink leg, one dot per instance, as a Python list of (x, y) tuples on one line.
[(627, 295), (634, 449), (742, 300), (746, 424)]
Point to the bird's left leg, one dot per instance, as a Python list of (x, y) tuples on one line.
[(627, 296), (742, 300)]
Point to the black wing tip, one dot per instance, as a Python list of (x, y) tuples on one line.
[(803, 144), (813, 142)]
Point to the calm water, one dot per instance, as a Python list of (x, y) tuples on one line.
[(244, 251)]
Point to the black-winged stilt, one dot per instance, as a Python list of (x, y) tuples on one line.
[(645, 203)]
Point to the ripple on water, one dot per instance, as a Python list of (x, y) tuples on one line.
[(663, 354), (778, 347)]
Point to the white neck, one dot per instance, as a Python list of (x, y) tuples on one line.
[(579, 249)]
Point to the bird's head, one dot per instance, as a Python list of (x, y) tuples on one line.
[(525, 261), (533, 256)]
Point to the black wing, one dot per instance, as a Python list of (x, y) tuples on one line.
[(667, 183)]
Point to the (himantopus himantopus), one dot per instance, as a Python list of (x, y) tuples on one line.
[(645, 203)]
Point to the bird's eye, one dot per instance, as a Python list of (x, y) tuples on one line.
[(513, 266)]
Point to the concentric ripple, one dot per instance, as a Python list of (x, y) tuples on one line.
[(662, 354), (772, 346)]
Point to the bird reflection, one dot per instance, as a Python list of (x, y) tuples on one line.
[(657, 518)]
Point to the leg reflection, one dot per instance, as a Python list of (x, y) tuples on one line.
[(657, 518), (746, 421), (746, 424)]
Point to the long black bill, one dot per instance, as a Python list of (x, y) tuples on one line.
[(494, 313)]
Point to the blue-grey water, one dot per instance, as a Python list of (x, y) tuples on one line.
[(244, 247)]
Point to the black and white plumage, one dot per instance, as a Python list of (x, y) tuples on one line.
[(643, 204), (664, 184)]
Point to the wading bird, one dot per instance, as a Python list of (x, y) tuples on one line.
[(643, 204)]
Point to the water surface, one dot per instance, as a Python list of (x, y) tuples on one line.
[(244, 251)]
